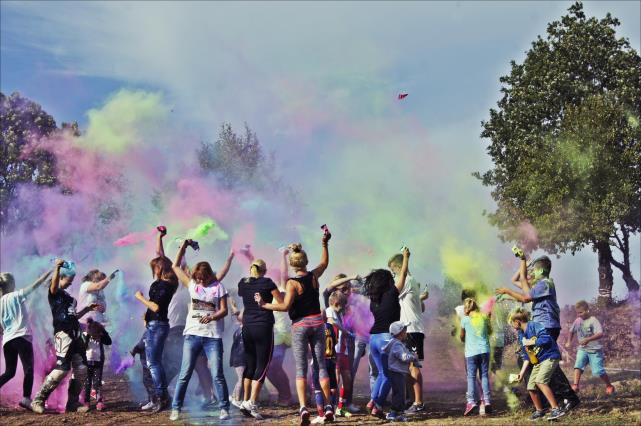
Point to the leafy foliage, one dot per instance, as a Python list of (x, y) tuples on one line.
[(22, 121), (565, 139)]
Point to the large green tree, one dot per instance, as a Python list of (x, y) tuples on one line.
[(566, 144), (22, 121)]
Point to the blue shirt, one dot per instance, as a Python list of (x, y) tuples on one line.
[(477, 332), (545, 309), (545, 347)]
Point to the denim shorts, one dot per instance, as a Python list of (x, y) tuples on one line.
[(595, 359)]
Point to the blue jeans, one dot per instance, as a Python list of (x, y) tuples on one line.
[(382, 385), (155, 337), (213, 349), (480, 363)]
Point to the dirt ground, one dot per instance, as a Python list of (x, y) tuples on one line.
[(442, 408)]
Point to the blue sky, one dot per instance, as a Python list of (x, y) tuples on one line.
[(293, 70)]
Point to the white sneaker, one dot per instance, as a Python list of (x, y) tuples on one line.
[(253, 410), (482, 409), (236, 403), (175, 415), (224, 414), (353, 408), (148, 406), (318, 420), (25, 403)]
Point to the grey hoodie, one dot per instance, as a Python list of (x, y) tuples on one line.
[(399, 356)]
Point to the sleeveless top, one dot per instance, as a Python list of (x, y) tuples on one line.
[(308, 302)]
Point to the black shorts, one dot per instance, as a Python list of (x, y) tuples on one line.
[(415, 343)]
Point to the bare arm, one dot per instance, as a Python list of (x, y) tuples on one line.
[(55, 280), (148, 303), (521, 297), (591, 338), (339, 282), (523, 276), (284, 274), (400, 284), (220, 275), (86, 309), (281, 306), (462, 335), (37, 283), (219, 314), (182, 277), (102, 283), (160, 248), (324, 262)]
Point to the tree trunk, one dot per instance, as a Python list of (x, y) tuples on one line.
[(606, 280), (632, 284)]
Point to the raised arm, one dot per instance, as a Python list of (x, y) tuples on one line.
[(55, 280), (37, 283), (182, 276), (324, 262), (525, 286), (280, 305), (148, 303), (102, 283), (284, 270), (220, 275), (403, 274), (160, 248), (339, 282)]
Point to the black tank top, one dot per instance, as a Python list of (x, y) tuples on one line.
[(307, 303)]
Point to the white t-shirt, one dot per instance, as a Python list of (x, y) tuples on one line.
[(178, 307), (93, 349), (14, 317), (205, 300), (86, 298), (341, 346), (411, 307)]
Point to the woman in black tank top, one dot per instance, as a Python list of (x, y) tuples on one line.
[(308, 327)]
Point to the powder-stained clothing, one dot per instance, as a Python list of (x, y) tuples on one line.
[(86, 298), (545, 309), (544, 347), (161, 293), (411, 306), (205, 300), (95, 347), (63, 312), (588, 328), (399, 356), (477, 332), (14, 318)]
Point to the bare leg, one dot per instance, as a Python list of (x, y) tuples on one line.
[(549, 395), (417, 378), (536, 399)]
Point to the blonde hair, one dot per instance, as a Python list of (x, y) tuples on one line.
[(337, 298), (470, 305), (396, 260), (297, 257), (519, 314), (259, 266)]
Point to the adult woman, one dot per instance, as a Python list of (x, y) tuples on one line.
[(258, 333), (204, 328), (14, 323), (308, 327), (383, 293), (161, 292)]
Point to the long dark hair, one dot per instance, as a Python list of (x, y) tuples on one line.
[(378, 282)]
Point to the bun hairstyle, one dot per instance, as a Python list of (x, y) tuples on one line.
[(297, 256)]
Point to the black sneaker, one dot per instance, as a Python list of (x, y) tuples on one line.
[(571, 404), (304, 416), (537, 415), (555, 414)]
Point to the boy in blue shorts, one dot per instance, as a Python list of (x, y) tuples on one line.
[(589, 331)]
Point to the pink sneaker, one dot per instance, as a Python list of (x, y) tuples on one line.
[(469, 408), (100, 406)]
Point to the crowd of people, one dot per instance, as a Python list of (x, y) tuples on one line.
[(184, 327)]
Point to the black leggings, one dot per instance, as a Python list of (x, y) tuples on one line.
[(258, 340), (14, 348)]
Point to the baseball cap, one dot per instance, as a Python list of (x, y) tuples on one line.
[(397, 327)]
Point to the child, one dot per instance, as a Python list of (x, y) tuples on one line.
[(92, 291), (70, 351), (337, 305), (147, 380), (589, 331), (475, 332), (399, 359), (540, 350), (14, 323), (237, 356), (331, 342), (95, 338)]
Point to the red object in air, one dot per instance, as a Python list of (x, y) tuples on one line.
[(402, 96)]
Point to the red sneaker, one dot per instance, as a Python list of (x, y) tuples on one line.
[(469, 408), (609, 390)]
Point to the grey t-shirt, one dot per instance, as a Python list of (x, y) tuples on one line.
[(588, 328)]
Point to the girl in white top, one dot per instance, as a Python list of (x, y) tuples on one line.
[(204, 328)]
